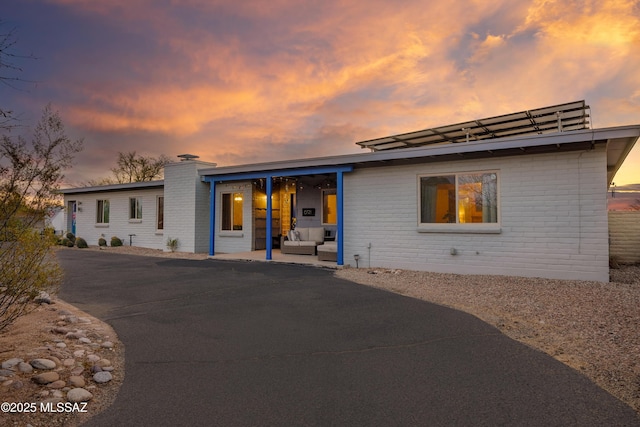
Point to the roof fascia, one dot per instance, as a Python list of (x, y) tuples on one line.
[(276, 172), (113, 187)]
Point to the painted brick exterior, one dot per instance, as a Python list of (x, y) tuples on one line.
[(624, 233), (146, 233), (187, 206), (552, 216)]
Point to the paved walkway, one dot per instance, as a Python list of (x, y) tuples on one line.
[(229, 343)]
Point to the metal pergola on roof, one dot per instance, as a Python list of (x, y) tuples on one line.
[(556, 118)]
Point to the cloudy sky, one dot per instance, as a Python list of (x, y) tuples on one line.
[(248, 81)]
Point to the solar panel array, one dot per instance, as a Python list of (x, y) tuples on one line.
[(556, 118)]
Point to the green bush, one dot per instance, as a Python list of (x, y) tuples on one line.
[(64, 242), (81, 243), (70, 243), (71, 237), (102, 242), (115, 241)]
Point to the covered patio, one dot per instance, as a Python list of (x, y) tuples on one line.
[(269, 173)]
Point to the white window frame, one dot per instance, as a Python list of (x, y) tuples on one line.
[(232, 195), (137, 213), (458, 227), (100, 213)]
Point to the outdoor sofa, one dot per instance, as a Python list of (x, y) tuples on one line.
[(302, 241)]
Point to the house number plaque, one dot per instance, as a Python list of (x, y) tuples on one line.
[(308, 211)]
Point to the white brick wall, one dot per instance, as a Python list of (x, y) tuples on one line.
[(146, 234), (624, 233), (187, 206), (553, 219)]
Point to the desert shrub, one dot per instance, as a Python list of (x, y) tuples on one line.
[(71, 237), (64, 242), (102, 242), (172, 244), (26, 268), (81, 243), (116, 241), (70, 243)]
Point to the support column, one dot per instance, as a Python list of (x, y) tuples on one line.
[(212, 217), (340, 228), (269, 218)]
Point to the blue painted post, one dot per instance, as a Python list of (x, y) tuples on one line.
[(269, 220), (340, 228), (212, 217)]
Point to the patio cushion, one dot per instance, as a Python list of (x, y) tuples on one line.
[(303, 233), (307, 243), (316, 234), (291, 243), (328, 248)]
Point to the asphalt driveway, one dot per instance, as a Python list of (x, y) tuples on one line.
[(221, 343)]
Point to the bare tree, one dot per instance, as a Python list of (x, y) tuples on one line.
[(30, 174), (132, 167)]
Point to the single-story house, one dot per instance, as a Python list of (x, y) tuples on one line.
[(521, 194)]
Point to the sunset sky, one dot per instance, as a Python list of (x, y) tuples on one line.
[(249, 81)]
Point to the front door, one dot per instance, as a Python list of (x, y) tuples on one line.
[(72, 208)]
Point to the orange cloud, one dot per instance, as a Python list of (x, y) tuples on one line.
[(282, 72)]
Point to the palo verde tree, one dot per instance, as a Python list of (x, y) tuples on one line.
[(31, 172)]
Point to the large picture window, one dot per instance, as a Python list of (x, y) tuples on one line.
[(102, 211), (459, 198), (135, 208), (231, 211)]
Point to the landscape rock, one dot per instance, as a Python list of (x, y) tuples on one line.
[(102, 377), (44, 364), (79, 395), (77, 370), (57, 384), (93, 358), (8, 364), (43, 298), (46, 377), (25, 367), (103, 363), (76, 381)]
